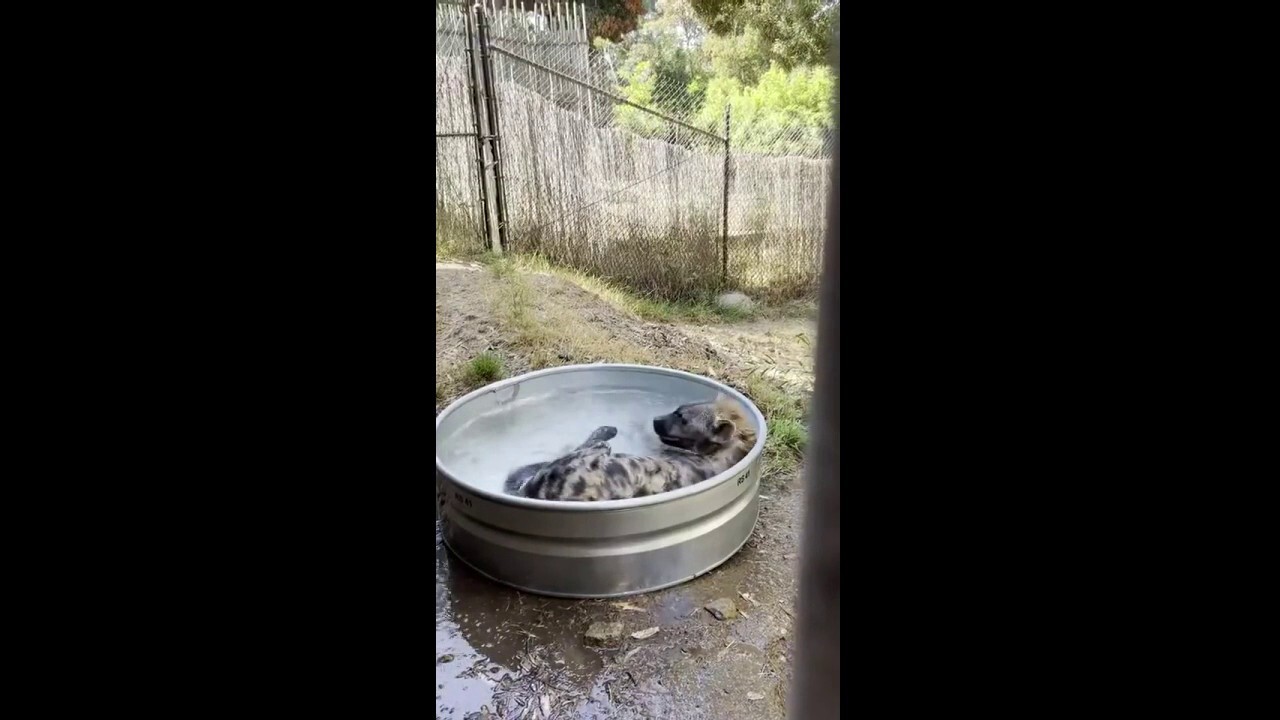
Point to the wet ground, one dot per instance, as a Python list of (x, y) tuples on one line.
[(502, 653)]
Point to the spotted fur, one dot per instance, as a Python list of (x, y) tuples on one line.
[(598, 438), (702, 440)]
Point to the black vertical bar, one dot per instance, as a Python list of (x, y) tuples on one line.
[(724, 212), (474, 89), (495, 136)]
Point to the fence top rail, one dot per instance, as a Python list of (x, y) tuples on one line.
[(606, 93)]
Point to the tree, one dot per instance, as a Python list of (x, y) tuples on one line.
[(660, 65), (790, 32), (743, 57), (614, 18), (786, 112), (673, 64), (664, 54)]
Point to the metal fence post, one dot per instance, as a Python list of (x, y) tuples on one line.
[(473, 87), (494, 135), (586, 64), (724, 238)]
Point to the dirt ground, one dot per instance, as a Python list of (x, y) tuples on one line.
[(502, 653), (781, 348)]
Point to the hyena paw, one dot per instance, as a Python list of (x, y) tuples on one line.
[(604, 433)]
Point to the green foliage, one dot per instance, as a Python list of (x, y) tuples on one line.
[(742, 57), (783, 112), (788, 434), (791, 32), (661, 66), (671, 63), (485, 367)]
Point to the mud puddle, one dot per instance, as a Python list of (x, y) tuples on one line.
[(501, 653)]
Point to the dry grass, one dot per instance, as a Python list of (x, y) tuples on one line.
[(460, 379), (456, 234), (458, 218), (451, 385), (551, 335), (634, 221), (638, 212), (702, 309)]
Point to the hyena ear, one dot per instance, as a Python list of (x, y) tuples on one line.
[(723, 431)]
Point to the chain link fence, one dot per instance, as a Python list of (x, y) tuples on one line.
[(459, 206), (631, 186)]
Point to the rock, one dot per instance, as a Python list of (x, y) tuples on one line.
[(601, 634), (722, 608), (735, 301)]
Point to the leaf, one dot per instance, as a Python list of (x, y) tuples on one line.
[(646, 633)]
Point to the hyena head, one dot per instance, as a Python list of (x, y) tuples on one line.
[(707, 428)]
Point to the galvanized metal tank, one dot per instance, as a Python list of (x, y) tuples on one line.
[(585, 549)]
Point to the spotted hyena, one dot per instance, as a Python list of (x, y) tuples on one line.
[(702, 439)]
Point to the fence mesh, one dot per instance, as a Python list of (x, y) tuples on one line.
[(631, 186), (459, 223)]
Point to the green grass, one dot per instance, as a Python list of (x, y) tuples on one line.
[(700, 310), (546, 333), (784, 411), (547, 339), (502, 266), (789, 435), (483, 368)]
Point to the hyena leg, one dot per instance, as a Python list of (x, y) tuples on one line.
[(597, 440), (599, 436), (554, 471), (520, 476)]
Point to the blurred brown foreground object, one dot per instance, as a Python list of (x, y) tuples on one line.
[(816, 691)]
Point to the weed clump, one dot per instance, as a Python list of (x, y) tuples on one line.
[(485, 367)]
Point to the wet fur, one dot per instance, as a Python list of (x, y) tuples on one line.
[(703, 440), (598, 437)]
